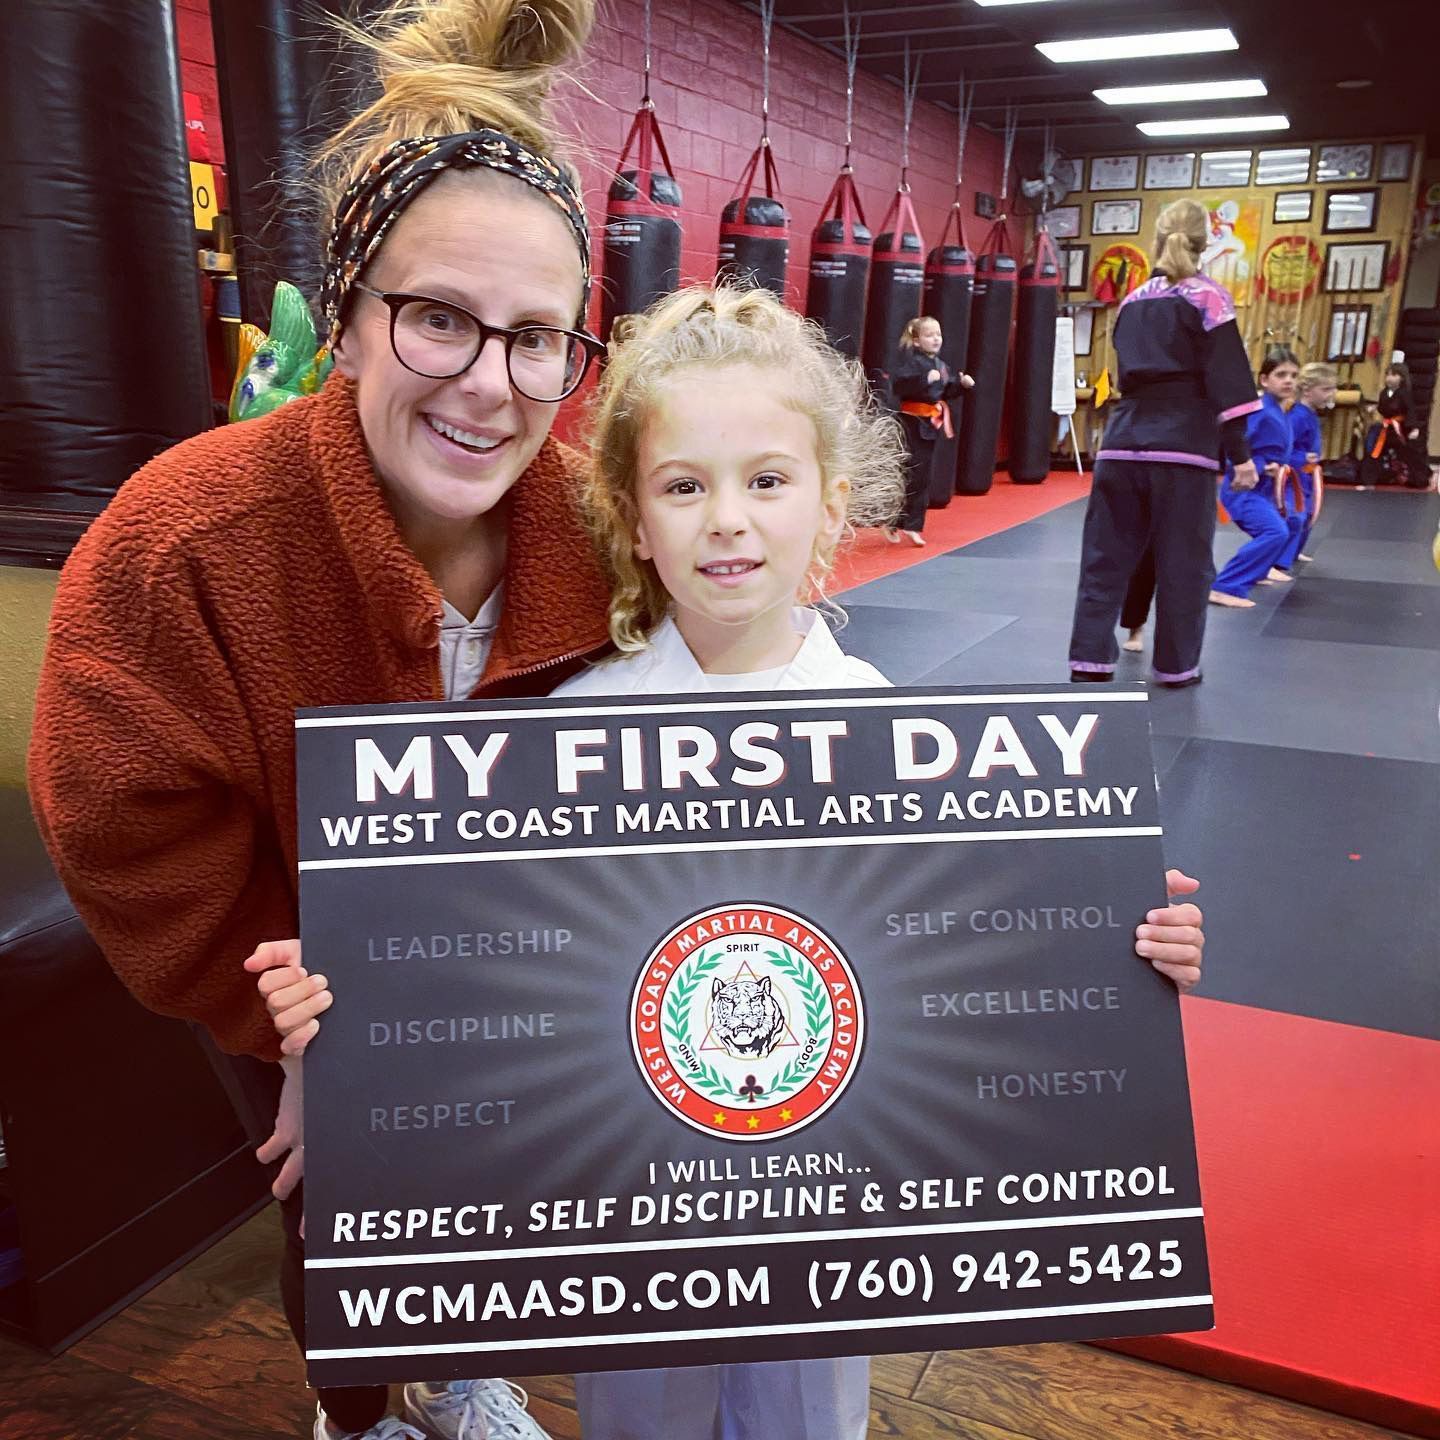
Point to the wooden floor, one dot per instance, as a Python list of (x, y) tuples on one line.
[(207, 1356)]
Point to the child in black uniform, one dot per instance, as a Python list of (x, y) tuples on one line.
[(921, 383)]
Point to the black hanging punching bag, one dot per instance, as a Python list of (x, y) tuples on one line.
[(948, 293), (840, 268), (102, 360), (1036, 309), (642, 228), (897, 272), (755, 231), (990, 317)]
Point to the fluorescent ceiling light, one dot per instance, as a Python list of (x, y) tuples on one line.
[(1138, 47), (1173, 94), (1010, 2), (1216, 125)]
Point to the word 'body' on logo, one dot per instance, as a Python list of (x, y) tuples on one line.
[(747, 1022)]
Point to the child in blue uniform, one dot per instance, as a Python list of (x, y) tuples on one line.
[(1315, 392), (733, 450), (1256, 508)]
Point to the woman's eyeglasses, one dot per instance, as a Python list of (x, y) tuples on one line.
[(440, 340)]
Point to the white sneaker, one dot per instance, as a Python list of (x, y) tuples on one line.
[(392, 1427), (472, 1410)]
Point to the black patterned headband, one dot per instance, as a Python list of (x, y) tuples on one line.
[(382, 192)]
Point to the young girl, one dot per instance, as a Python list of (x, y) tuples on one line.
[(921, 383), (1256, 509), (1316, 392), (733, 449), (1397, 430)]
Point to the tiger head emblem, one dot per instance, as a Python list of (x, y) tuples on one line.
[(746, 1018)]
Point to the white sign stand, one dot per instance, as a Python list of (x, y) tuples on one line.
[(1062, 381)]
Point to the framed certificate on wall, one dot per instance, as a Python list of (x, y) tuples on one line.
[(1115, 217), (1350, 210), (1397, 160), (1115, 172), (1170, 172), (1229, 169), (1283, 167), (1345, 162)]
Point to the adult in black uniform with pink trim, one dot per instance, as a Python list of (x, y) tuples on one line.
[(1187, 388)]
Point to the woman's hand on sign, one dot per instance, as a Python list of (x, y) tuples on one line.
[(295, 998), (288, 1140), (1173, 939)]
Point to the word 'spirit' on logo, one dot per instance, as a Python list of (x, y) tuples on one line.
[(747, 1022)]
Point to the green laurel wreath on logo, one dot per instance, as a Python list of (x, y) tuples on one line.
[(677, 1018), (707, 1078), (817, 1019)]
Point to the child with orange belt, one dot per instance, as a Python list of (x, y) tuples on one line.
[(921, 383)]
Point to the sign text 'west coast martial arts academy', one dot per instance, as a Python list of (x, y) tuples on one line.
[(733, 1028)]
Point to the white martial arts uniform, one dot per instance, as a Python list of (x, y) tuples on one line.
[(778, 1400)]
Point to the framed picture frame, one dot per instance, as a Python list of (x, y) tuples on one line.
[(1287, 166), (1115, 172), (1115, 217), (1349, 332), (1350, 210), (1225, 169), (1170, 172), (985, 205), (1293, 207), (1358, 267), (1074, 267), (1063, 222), (1345, 162), (1397, 160), (1084, 329)]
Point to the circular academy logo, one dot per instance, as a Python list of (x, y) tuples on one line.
[(747, 1022)]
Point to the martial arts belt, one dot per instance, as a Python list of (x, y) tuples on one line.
[(840, 267), (1033, 384), (755, 229), (1288, 487), (937, 414), (896, 275), (1392, 424), (642, 226), (990, 345), (948, 295)]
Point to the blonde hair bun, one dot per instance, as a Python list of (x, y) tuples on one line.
[(448, 66), (1181, 232)]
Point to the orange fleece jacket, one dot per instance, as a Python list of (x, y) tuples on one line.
[(242, 574)]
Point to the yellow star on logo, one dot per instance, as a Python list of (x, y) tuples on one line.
[(753, 1122), (719, 1118), (786, 1115)]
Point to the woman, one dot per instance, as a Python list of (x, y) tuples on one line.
[(1260, 511), (921, 383), (1187, 388), (408, 534)]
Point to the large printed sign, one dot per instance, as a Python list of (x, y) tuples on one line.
[(729, 1028)]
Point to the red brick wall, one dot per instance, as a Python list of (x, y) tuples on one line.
[(197, 67), (706, 87)]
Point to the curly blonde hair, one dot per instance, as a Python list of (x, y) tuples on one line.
[(709, 327)]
